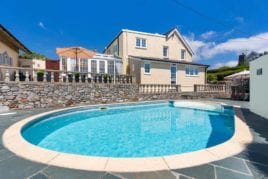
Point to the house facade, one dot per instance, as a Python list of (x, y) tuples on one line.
[(259, 86), (158, 58), (98, 64), (33, 63), (10, 48)]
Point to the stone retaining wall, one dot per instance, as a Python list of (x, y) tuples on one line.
[(30, 95)]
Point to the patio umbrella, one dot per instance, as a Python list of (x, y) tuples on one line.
[(241, 75), (75, 52)]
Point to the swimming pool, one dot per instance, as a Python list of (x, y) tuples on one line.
[(134, 130)]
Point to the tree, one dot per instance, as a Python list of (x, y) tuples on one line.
[(33, 55)]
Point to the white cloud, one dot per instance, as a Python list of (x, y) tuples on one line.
[(41, 24), (206, 50), (208, 35), (231, 63)]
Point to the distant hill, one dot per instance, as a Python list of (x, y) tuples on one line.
[(216, 75)]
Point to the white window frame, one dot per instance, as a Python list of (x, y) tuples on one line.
[(147, 63), (141, 42), (190, 69), (166, 56)]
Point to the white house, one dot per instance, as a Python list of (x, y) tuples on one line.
[(97, 63), (259, 86)]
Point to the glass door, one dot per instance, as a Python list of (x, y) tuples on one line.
[(173, 70)]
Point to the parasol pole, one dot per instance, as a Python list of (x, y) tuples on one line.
[(76, 59)]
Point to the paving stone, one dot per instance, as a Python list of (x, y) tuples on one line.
[(148, 175), (110, 176), (15, 167), (65, 173), (222, 173), (254, 157), (234, 164), (259, 171), (259, 147), (200, 172), (183, 177), (5, 154), (39, 176)]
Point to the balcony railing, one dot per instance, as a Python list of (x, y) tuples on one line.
[(209, 88), (19, 74), (159, 88)]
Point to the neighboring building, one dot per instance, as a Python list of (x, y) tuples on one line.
[(259, 86), (97, 64), (158, 59), (52, 64), (10, 48), (33, 63)]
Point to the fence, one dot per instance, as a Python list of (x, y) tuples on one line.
[(210, 88), (158, 88), (19, 74)]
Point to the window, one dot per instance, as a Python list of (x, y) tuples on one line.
[(183, 54), (115, 49), (259, 71), (147, 68), (141, 43), (191, 71), (102, 66), (5, 59), (165, 51), (133, 67), (83, 65), (64, 63), (93, 66), (73, 65), (111, 67)]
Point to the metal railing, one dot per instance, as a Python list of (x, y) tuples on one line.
[(159, 88), (208, 88), (20, 74)]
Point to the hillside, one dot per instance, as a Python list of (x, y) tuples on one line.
[(216, 75)]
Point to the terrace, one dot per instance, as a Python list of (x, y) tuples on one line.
[(251, 163)]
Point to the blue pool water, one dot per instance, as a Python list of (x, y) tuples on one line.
[(143, 130)]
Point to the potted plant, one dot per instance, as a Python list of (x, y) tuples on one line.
[(40, 75)]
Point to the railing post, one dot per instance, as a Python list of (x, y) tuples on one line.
[(73, 77), (80, 78), (92, 78), (52, 77), (34, 76), (86, 78), (7, 79), (61, 77), (45, 76), (17, 76), (27, 76), (133, 79)]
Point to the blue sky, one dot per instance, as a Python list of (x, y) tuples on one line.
[(44, 25)]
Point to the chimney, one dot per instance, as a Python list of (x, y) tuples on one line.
[(242, 59)]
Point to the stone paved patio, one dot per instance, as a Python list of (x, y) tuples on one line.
[(251, 163)]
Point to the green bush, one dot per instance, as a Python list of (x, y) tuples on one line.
[(40, 73), (215, 75)]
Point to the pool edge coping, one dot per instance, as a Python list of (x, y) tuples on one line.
[(13, 141)]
